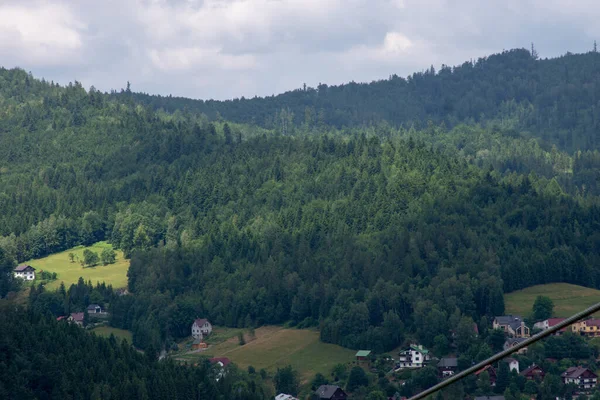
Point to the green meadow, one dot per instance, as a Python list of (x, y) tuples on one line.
[(69, 272)]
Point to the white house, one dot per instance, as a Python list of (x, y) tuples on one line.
[(512, 364), (547, 323), (200, 328), (26, 272), (413, 357)]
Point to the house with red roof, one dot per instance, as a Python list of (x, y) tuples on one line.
[(200, 328), (76, 318), (549, 323), (534, 373), (491, 371)]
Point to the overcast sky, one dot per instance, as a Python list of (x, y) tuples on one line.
[(231, 48)]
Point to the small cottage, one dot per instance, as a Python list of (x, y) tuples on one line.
[(330, 392), (76, 318), (94, 309), (534, 373), (447, 367), (363, 356), (26, 272)]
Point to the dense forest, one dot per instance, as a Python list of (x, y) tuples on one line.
[(41, 358), (375, 230), (555, 100)]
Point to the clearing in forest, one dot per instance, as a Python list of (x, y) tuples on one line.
[(568, 299), (69, 272), (106, 331), (275, 346)]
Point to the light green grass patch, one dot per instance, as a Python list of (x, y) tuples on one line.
[(275, 346), (106, 331), (69, 272), (568, 299)]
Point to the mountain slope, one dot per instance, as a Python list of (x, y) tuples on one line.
[(552, 99)]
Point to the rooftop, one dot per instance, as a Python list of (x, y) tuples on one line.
[(448, 362), (24, 267), (363, 353), (326, 391)]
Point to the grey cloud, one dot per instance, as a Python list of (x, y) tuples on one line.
[(232, 48)]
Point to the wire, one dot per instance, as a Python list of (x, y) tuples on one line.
[(455, 378)]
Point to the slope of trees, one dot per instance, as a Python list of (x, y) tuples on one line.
[(44, 359), (552, 99), (371, 233)]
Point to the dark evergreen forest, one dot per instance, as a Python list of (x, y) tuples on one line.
[(405, 219), (554, 100), (41, 358)]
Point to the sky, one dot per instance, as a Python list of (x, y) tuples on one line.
[(221, 49)]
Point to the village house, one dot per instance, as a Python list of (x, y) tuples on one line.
[(512, 325), (534, 373), (26, 272), (513, 365), (582, 377), (447, 367), (362, 356), (221, 364), (413, 357), (76, 318), (94, 309), (198, 344), (200, 328), (330, 392), (491, 372), (589, 327), (549, 323), (512, 342)]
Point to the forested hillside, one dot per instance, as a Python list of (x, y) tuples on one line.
[(372, 233), (41, 358), (555, 100)]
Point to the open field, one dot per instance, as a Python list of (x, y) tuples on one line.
[(107, 330), (69, 272), (568, 299), (274, 346)]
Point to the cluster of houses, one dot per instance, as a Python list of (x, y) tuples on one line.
[(93, 310), (416, 356), (589, 328)]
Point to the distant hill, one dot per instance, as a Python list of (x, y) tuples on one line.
[(552, 99)]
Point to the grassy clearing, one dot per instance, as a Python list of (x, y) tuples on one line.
[(69, 272), (568, 299), (274, 347), (106, 331)]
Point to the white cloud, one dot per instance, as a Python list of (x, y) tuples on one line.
[(39, 34), (193, 57)]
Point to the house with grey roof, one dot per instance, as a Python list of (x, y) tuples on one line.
[(512, 325), (330, 392), (512, 342), (447, 367), (584, 378)]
